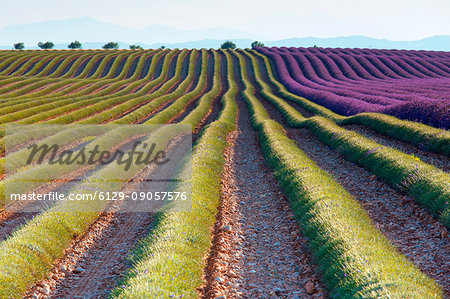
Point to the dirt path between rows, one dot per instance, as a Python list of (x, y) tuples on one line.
[(9, 222), (258, 250), (94, 272)]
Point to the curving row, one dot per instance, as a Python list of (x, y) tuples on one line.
[(351, 81)]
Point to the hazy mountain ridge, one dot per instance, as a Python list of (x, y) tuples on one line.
[(90, 30), (436, 43), (94, 34)]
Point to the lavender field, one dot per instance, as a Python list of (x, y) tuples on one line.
[(314, 173), (411, 85)]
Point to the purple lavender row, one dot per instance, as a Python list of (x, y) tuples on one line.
[(406, 112), (306, 83), (341, 105), (408, 85), (409, 67), (436, 87), (332, 77), (367, 95), (429, 55), (322, 67), (308, 77), (384, 69), (391, 53)]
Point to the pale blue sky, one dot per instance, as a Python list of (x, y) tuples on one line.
[(274, 19)]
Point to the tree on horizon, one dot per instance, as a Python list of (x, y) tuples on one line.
[(111, 45), (74, 45), (19, 46), (46, 45), (228, 45), (135, 47), (257, 44)]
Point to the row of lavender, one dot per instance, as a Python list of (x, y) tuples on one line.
[(413, 85)]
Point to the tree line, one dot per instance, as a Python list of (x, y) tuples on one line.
[(113, 45)]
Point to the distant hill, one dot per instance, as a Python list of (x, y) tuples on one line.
[(437, 43), (90, 30), (94, 34)]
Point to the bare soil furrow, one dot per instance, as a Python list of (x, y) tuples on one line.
[(258, 250), (96, 271), (9, 222)]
